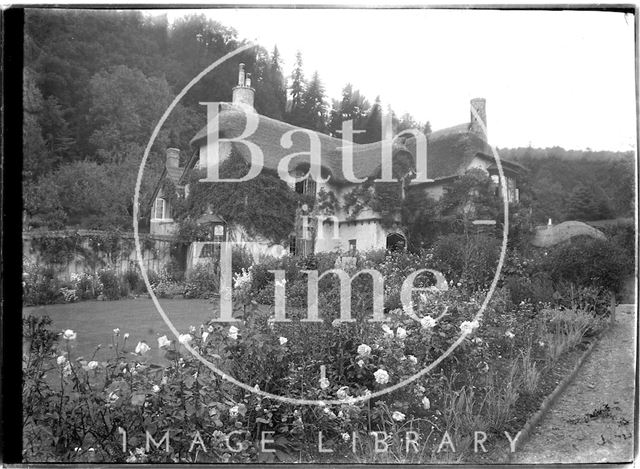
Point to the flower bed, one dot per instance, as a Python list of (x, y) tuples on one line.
[(75, 406)]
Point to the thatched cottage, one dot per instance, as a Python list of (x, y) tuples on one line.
[(450, 152)]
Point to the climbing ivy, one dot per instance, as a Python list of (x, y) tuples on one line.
[(264, 205)]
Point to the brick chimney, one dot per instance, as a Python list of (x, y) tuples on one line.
[(480, 105), (243, 94), (173, 158)]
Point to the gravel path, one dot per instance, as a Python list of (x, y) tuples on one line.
[(593, 419)]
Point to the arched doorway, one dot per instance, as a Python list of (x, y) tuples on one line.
[(396, 242)]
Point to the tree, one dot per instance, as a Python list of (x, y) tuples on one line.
[(314, 107), (581, 205), (373, 125), (126, 105), (271, 92), (294, 112), (354, 107)]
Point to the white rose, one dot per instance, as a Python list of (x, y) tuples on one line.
[(163, 341), (509, 334), (233, 332), (343, 392), (116, 331), (156, 388), (92, 365), (233, 411), (126, 336), (283, 340), (346, 436), (401, 333), (427, 322), (185, 339), (69, 335), (364, 350), (324, 383), (360, 363), (210, 329), (205, 335), (387, 331), (413, 359), (426, 403), (382, 377), (142, 348), (398, 416), (467, 327), (61, 360)]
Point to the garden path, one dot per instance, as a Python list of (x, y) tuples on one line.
[(593, 419)]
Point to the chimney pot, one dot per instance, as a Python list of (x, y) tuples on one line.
[(173, 158), (480, 105), (243, 94)]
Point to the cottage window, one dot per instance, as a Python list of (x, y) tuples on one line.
[(307, 186), (352, 246), (161, 209)]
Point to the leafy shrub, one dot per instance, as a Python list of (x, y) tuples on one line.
[(587, 262), (471, 260), (203, 281), (174, 271), (110, 285), (133, 281), (40, 285), (87, 285)]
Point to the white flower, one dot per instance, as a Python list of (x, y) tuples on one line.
[(92, 365), (364, 350), (192, 329), (281, 283), (401, 333), (459, 284), (467, 327), (413, 359), (126, 336), (360, 363), (61, 360), (343, 392), (426, 403), (233, 332), (210, 329), (346, 436), (164, 380), (185, 339), (387, 331), (324, 383), (398, 416), (113, 397), (541, 344), (67, 369), (233, 411), (427, 322), (142, 348), (509, 334), (116, 331), (336, 322), (163, 341), (283, 340), (156, 388), (421, 389), (69, 335), (382, 377), (205, 335), (477, 340)]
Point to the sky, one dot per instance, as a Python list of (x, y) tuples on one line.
[(564, 78)]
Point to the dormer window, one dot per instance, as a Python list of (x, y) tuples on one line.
[(161, 209), (306, 186)]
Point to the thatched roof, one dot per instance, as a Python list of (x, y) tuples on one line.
[(547, 236), (449, 151)]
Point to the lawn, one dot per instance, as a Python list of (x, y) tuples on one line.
[(94, 321)]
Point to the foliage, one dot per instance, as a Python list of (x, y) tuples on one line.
[(587, 262), (203, 281), (110, 285), (39, 285), (241, 203)]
